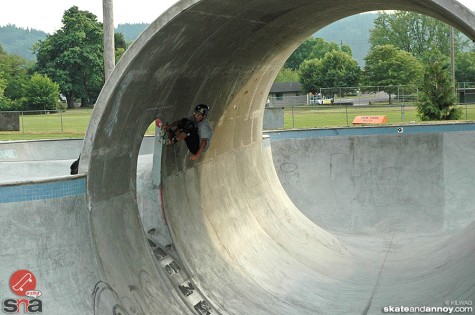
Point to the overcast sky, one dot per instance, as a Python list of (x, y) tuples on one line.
[(45, 15)]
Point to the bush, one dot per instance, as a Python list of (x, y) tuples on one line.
[(41, 93), (427, 110), (438, 98), (7, 104)]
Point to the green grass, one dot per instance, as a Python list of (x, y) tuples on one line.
[(69, 124), (73, 123), (342, 116)]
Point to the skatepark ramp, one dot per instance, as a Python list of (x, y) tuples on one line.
[(243, 246)]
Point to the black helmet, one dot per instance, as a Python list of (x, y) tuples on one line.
[(202, 108)]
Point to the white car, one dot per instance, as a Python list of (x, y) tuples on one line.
[(319, 100)]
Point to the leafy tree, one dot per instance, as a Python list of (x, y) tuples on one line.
[(413, 33), (41, 93), (438, 99), (301, 54), (310, 72), (15, 72), (339, 69), (388, 67), (14, 69), (119, 41), (73, 56), (4, 102), (313, 48), (120, 45), (3, 85), (335, 69), (465, 66), (287, 75)]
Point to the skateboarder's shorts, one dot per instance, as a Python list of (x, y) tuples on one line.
[(193, 142), (192, 139), (187, 126)]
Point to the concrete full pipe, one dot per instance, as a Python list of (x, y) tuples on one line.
[(242, 243), (245, 245)]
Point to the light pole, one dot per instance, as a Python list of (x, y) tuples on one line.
[(109, 49), (452, 58)]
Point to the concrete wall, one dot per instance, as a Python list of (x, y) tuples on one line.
[(273, 118), (45, 229), (9, 121), (392, 183)]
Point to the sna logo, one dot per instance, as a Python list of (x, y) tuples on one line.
[(23, 284)]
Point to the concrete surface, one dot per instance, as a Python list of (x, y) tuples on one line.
[(401, 183), (45, 159), (373, 253), (243, 246)]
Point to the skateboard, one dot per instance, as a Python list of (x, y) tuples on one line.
[(166, 135)]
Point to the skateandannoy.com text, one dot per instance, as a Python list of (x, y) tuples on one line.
[(452, 307)]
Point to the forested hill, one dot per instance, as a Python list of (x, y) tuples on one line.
[(131, 31), (19, 41), (353, 31)]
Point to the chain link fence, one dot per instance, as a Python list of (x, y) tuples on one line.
[(343, 115), (397, 95), (48, 121), (299, 111), (337, 107)]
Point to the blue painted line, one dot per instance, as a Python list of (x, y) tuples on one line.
[(42, 191), (368, 131)]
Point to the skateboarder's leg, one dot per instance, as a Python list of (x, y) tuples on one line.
[(193, 142), (180, 135)]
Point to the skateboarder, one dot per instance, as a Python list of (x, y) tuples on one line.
[(195, 130)]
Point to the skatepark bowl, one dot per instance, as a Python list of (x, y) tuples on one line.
[(343, 224)]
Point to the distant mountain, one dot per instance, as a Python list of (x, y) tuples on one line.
[(353, 31), (131, 31), (19, 41)]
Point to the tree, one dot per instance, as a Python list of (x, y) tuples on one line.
[(335, 69), (119, 41), (5, 103), (414, 33), (3, 85), (120, 46), (41, 93), (465, 66), (388, 67), (339, 69), (438, 99), (310, 72), (287, 75), (313, 48), (73, 56), (15, 72)]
